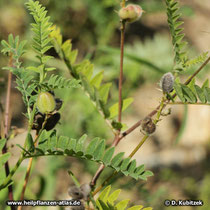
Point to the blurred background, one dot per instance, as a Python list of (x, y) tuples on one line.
[(179, 151)]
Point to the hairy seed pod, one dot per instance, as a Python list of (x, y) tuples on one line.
[(45, 102), (75, 192), (86, 189), (148, 126), (167, 82), (130, 13)]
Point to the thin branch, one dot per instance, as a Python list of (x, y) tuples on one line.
[(7, 120), (137, 124), (121, 69), (122, 39)]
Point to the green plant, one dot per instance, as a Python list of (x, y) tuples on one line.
[(37, 87)]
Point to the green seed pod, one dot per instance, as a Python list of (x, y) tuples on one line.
[(130, 13), (45, 102), (167, 82)]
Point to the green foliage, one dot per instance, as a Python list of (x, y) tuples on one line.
[(192, 93), (92, 84), (58, 82), (23, 78), (41, 29), (107, 201), (51, 144), (181, 58), (176, 33), (199, 59)]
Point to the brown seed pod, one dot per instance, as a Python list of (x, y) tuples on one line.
[(148, 126)]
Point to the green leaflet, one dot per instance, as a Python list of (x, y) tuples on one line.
[(108, 155), (99, 150), (175, 26), (29, 142), (114, 108), (117, 159), (97, 79), (41, 28), (80, 144), (51, 144), (122, 204), (192, 92), (58, 82), (200, 94), (108, 201), (104, 92), (4, 158), (199, 59), (207, 93), (2, 143), (205, 84), (188, 94), (113, 197), (91, 147), (179, 92)]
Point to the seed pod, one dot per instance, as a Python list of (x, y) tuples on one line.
[(75, 192), (148, 126), (167, 82), (130, 13), (45, 102), (86, 189)]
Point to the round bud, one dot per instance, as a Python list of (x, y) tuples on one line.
[(45, 102), (167, 82), (148, 126), (130, 13)]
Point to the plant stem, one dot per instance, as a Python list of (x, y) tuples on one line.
[(122, 28), (7, 120), (12, 172), (31, 160), (121, 69)]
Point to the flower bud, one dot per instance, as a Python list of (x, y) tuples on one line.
[(148, 126), (130, 13), (167, 82), (45, 102)]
